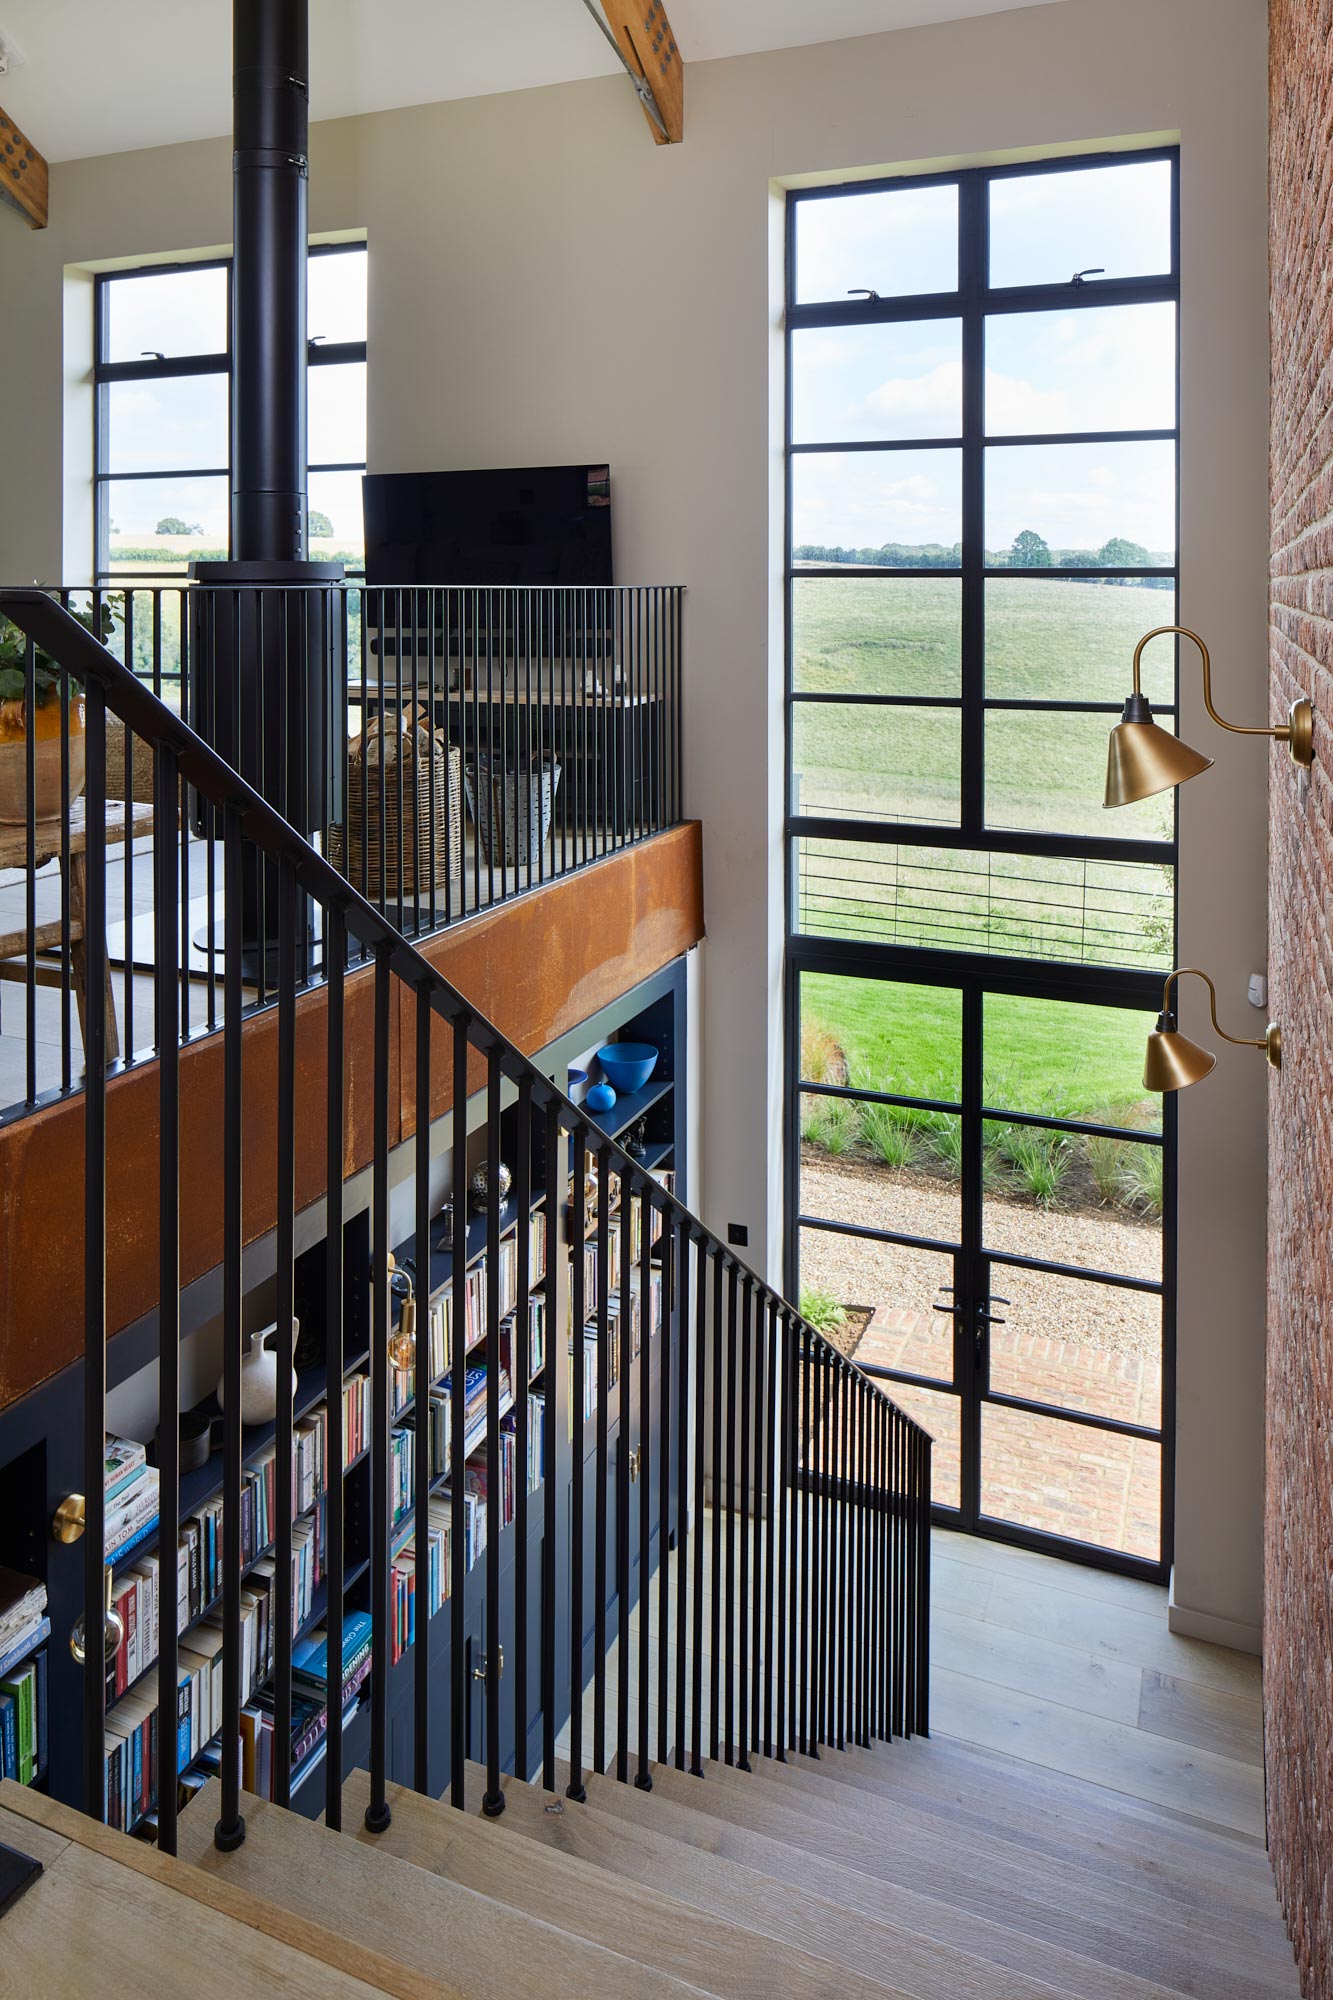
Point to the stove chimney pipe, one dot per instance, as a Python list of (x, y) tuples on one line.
[(271, 123)]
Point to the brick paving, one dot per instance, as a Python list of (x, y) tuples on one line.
[(1059, 1477)]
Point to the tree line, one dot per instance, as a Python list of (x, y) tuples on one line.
[(1028, 550)]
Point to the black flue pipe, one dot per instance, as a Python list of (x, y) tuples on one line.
[(271, 127)]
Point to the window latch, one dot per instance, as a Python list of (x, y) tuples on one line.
[(862, 292), (1093, 271)]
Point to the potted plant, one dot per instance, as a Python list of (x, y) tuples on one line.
[(48, 801)]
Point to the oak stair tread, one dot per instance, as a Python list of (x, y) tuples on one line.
[(724, 1955), (827, 1796), (1130, 1841), (1178, 1953), (474, 1946)]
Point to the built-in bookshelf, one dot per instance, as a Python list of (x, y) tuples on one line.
[(41, 1453)]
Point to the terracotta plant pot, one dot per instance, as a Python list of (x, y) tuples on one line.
[(47, 798)]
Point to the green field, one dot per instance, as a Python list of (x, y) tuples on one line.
[(1048, 639)]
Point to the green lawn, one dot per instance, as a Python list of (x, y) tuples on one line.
[(1073, 1060)]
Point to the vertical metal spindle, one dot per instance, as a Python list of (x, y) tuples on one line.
[(602, 1482), (772, 1652), (647, 1223), (841, 1613), (823, 1677), (422, 1426), (165, 790), (94, 1260), (378, 1813), (493, 1799), (731, 1413), (805, 1463), (558, 1187), (288, 896), (522, 1386), (897, 1493), (665, 1245), (716, 1586), (921, 1611), (700, 1418), (748, 1505), (459, 1685), (624, 1332), (578, 1322), (788, 1563), (92, 996), (230, 1829), (684, 1545), (907, 1571), (335, 1445)]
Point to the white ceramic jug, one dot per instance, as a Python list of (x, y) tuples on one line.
[(259, 1376)]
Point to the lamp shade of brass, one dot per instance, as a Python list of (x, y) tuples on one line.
[(1144, 758), (1173, 1061)]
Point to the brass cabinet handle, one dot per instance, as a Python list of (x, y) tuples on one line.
[(113, 1628), (635, 1460), (67, 1523), (479, 1673)]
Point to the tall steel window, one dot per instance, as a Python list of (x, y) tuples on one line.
[(981, 520), (162, 423)]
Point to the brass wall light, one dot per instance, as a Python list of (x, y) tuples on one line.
[(1173, 1061), (1145, 758)]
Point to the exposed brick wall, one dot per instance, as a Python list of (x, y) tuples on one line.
[(1298, 1612)]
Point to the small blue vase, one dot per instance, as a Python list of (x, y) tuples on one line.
[(601, 1097)]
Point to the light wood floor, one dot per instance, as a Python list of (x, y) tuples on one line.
[(1074, 1670)]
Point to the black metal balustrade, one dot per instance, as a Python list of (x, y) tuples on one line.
[(469, 744), (786, 1606)]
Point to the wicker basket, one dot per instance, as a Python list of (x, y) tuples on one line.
[(376, 856)]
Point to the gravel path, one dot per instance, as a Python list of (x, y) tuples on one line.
[(859, 1272)]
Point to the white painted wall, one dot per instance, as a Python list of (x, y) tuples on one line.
[(548, 285)]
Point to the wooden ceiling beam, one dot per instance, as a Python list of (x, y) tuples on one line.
[(643, 32), (24, 181)]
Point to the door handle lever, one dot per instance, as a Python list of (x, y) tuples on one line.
[(993, 1319), (954, 1312)]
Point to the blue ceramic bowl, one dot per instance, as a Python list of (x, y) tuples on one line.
[(628, 1065)]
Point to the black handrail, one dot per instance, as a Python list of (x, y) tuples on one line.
[(805, 1469)]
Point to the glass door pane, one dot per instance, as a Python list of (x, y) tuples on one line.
[(1069, 1480)]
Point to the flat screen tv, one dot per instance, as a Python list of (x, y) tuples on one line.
[(546, 524)]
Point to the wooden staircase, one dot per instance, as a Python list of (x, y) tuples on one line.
[(931, 1870)]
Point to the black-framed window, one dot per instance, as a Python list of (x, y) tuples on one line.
[(981, 520), (982, 456), (162, 412)]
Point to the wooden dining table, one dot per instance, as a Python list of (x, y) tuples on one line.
[(37, 952)]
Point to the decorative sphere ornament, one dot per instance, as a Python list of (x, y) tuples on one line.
[(479, 1187), (601, 1097)]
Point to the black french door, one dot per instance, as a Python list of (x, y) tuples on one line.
[(1010, 1239)]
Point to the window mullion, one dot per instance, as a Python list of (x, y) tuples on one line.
[(972, 275)]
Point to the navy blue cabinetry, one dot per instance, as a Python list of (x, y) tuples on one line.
[(41, 1456)]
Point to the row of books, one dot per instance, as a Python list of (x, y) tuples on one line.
[(132, 1741), (403, 1574), (403, 1456), (23, 1620), (23, 1718), (199, 1568)]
